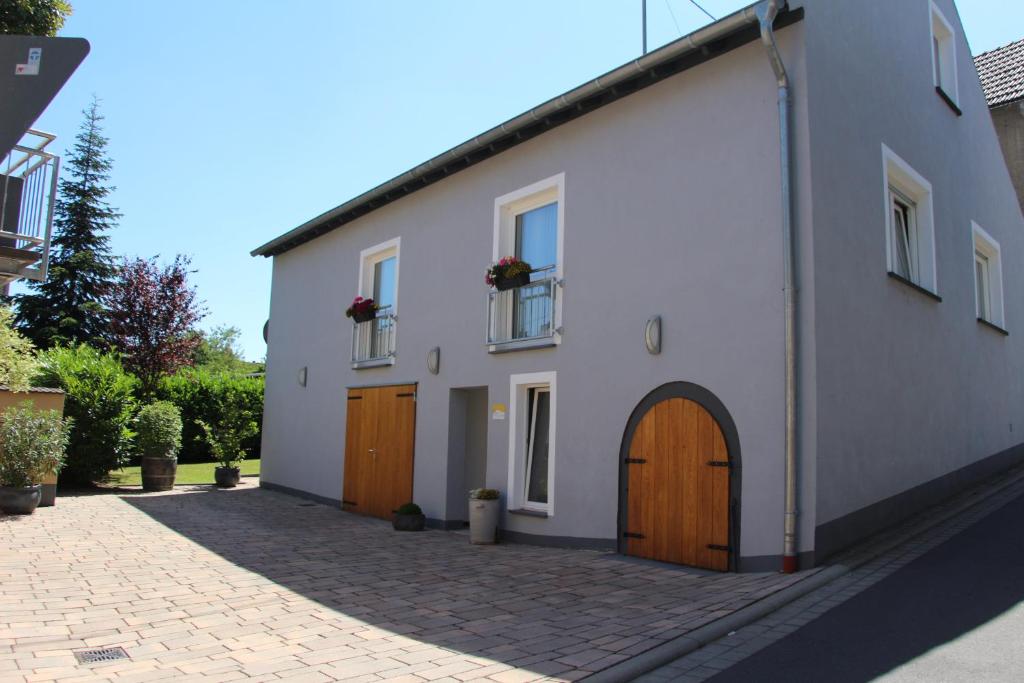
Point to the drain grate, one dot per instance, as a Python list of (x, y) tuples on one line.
[(106, 654)]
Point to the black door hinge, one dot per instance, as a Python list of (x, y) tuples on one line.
[(630, 534), (719, 463), (635, 461), (726, 548)]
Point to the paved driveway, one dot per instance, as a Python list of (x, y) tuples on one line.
[(203, 584)]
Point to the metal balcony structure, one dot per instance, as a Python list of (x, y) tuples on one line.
[(524, 313), (28, 190), (373, 341)]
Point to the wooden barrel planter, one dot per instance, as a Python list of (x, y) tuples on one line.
[(158, 473)]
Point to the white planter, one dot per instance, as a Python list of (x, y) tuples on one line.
[(483, 520)]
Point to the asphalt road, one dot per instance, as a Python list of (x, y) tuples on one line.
[(953, 614)]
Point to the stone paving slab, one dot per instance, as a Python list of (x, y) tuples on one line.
[(221, 585)]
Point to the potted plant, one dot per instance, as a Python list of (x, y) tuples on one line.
[(157, 440), (507, 273), (33, 443), (362, 310), (409, 517), (226, 436), (483, 515)]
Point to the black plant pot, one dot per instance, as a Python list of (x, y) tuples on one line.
[(364, 316), (20, 500), (409, 522), (158, 473), (503, 283), (226, 477)]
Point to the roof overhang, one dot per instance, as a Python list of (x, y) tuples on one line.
[(702, 45)]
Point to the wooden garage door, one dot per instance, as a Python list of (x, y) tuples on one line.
[(379, 437), (678, 487)]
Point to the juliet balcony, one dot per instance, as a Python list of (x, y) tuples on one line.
[(524, 316), (28, 190), (373, 340)]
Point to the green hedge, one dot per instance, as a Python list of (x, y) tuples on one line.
[(202, 395), (101, 400)]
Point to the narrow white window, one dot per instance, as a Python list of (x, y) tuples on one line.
[(944, 55), (532, 403), (374, 340), (909, 225), (988, 278), (528, 227)]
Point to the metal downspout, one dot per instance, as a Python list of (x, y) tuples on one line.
[(766, 13)]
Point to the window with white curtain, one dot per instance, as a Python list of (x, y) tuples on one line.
[(909, 224), (988, 278), (944, 54)]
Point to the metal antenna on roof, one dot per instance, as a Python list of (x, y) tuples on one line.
[(643, 14)]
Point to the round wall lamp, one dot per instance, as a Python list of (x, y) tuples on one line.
[(434, 360), (302, 377), (652, 335)]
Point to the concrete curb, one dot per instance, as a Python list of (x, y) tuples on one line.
[(663, 654)]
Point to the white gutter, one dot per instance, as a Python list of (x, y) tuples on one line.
[(766, 13)]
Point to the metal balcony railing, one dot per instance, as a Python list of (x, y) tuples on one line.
[(523, 313), (374, 340), (28, 190)]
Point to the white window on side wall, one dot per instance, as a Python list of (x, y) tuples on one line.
[(988, 278), (529, 225), (944, 56), (531, 459), (373, 341), (909, 223)]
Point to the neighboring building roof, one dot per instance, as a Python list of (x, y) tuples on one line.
[(1002, 73), (685, 53), (36, 390)]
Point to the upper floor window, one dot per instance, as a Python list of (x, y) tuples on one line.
[(909, 227), (944, 56), (373, 341), (988, 278), (528, 225)]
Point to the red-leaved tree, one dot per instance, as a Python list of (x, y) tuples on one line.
[(153, 311)]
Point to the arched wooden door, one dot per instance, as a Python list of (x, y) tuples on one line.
[(677, 478)]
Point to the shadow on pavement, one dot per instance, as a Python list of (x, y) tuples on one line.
[(541, 609)]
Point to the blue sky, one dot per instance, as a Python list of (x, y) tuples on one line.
[(231, 122)]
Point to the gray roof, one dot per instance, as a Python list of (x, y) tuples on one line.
[(1002, 73), (700, 46)]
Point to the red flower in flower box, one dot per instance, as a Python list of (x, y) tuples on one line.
[(362, 310)]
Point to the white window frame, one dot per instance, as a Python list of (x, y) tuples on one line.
[(987, 246), (519, 386), (944, 71), (898, 175), (506, 208), (370, 257)]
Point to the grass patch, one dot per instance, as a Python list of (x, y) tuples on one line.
[(188, 473)]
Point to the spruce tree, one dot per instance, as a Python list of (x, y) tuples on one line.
[(67, 308)]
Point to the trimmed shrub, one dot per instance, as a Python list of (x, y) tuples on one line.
[(158, 430), (409, 509), (101, 402), (205, 397), (227, 436), (34, 443)]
